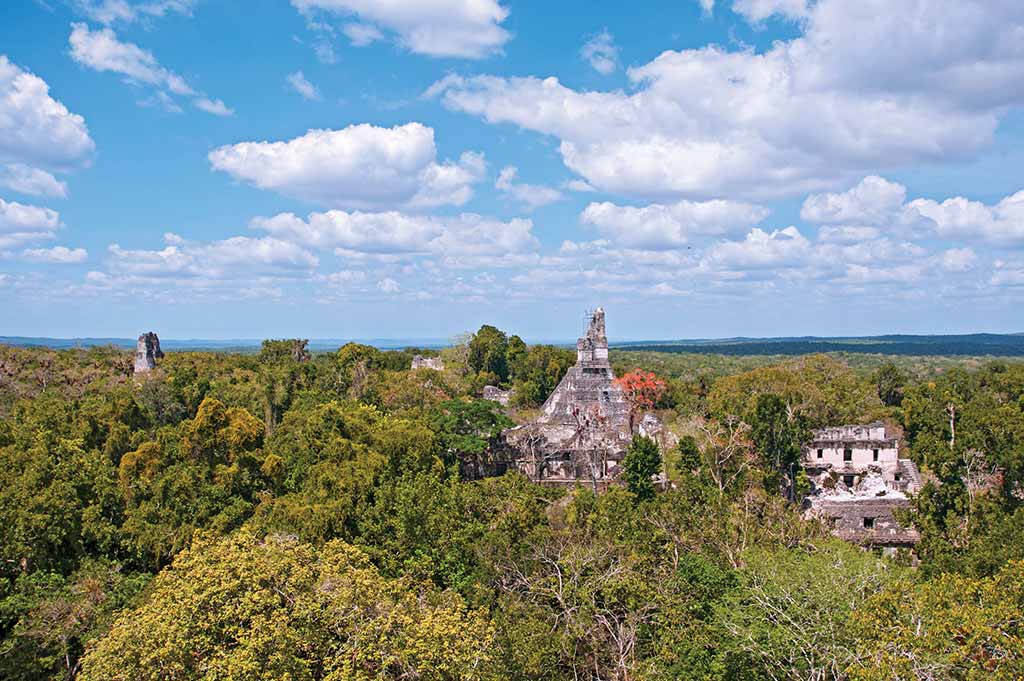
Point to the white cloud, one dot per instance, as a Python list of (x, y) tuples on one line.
[(869, 85), (233, 257), (26, 180), (362, 35), (847, 234), (23, 224), (438, 28), (35, 129), (659, 226), (213, 106), (57, 255), (780, 248), (532, 196), (361, 166), (756, 11), (578, 186), (397, 233), (301, 85), (874, 201), (960, 217), (113, 11), (389, 286), (101, 50), (958, 260), (1007, 273), (601, 53), (877, 204)]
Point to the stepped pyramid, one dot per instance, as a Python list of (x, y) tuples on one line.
[(583, 430)]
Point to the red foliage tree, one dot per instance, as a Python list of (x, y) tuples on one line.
[(643, 389)]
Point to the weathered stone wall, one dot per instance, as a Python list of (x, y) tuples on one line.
[(435, 363), (147, 351)]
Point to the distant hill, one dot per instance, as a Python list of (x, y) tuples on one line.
[(975, 344), (1003, 345)]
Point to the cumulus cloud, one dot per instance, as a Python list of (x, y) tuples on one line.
[(760, 249), (236, 256), (877, 204), (601, 53), (60, 255), (300, 84), (959, 217), (35, 129), (868, 85), (23, 224), (440, 28), (532, 196), (33, 181), (397, 233), (660, 226), (361, 166), (101, 51)]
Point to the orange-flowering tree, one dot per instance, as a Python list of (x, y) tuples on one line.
[(643, 389)]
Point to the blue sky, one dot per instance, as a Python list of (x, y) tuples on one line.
[(414, 168)]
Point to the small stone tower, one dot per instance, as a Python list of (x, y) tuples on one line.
[(147, 352)]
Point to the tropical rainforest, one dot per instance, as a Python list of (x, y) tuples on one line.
[(307, 516)]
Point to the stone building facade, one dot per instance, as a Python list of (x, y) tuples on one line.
[(147, 352), (421, 362), (859, 483), (583, 430)]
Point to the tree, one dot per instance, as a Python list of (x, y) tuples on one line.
[(951, 627), (641, 463), (280, 363), (779, 435), (488, 352), (790, 617), (643, 389), (889, 382), (257, 607)]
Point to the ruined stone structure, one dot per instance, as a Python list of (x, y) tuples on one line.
[(496, 394), (858, 483), (147, 352), (421, 362), (584, 430)]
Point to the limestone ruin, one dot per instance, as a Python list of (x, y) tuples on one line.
[(147, 352), (421, 362), (496, 394), (584, 428), (858, 483)]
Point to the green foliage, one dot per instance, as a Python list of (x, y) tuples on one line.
[(251, 607), (641, 463), (951, 627), (537, 372), (790, 617), (889, 382), (465, 428), (488, 352), (235, 479), (817, 388), (778, 435)]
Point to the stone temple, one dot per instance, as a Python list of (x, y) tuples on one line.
[(584, 428), (859, 482), (147, 352)]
